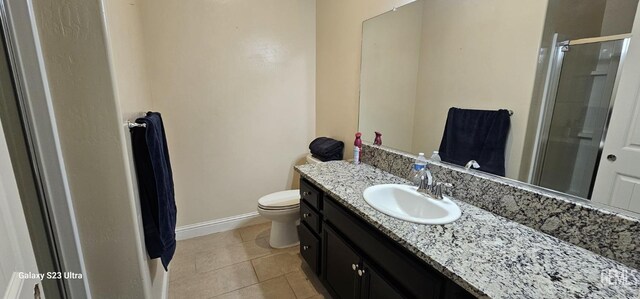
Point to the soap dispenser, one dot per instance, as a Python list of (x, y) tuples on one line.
[(378, 139), (357, 148)]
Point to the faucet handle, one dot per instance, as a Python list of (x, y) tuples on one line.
[(437, 189), (423, 182)]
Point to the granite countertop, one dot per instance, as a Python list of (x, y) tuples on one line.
[(488, 255)]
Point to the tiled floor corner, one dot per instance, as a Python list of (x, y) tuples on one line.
[(240, 264)]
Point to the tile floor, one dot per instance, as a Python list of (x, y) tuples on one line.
[(240, 264)]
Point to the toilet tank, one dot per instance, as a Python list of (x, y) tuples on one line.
[(312, 160)]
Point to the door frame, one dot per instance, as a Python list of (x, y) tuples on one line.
[(30, 79), (14, 230), (551, 91)]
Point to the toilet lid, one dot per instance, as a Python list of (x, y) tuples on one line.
[(280, 200)]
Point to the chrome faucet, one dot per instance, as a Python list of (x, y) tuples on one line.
[(428, 187), (472, 163), (426, 181)]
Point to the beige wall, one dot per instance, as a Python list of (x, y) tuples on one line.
[(477, 55), (618, 16), (234, 81), (92, 140), (389, 75), (125, 41), (236, 92), (338, 38)]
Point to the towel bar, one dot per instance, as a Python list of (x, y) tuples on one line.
[(135, 125)]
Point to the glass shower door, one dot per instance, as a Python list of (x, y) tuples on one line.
[(580, 115)]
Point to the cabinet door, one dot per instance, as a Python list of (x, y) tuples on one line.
[(309, 247), (340, 265), (409, 273), (453, 291), (374, 286)]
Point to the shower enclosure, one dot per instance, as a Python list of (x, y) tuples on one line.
[(576, 112)]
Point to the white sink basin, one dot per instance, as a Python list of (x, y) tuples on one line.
[(404, 202)]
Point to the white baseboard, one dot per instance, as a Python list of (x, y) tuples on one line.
[(218, 225)]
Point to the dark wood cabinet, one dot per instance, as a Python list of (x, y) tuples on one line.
[(309, 248), (311, 194), (408, 272), (310, 217), (348, 275), (453, 291), (340, 266), (375, 286), (356, 260)]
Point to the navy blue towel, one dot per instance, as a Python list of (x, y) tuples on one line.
[(479, 135), (326, 149), (155, 184)]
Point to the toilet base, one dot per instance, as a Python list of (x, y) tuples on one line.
[(283, 234)]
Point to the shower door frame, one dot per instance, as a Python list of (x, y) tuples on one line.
[(550, 96)]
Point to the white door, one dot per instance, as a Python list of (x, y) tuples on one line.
[(16, 252), (618, 179)]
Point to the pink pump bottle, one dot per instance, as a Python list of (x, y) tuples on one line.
[(378, 139), (357, 148)]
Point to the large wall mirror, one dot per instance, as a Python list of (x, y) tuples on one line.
[(552, 65)]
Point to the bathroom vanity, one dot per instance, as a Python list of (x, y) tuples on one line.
[(554, 224), (355, 260), (359, 252)]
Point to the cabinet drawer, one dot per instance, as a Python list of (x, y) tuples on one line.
[(309, 248), (311, 194), (410, 274), (310, 217)]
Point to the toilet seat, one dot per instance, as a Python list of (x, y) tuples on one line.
[(283, 209), (283, 200)]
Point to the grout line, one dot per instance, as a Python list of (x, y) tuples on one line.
[(239, 262), (214, 252), (284, 275), (202, 273), (240, 288), (209, 249), (270, 253), (259, 282), (290, 287), (254, 269)]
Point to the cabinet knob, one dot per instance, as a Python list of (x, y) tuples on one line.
[(612, 158), (306, 215), (361, 272), (354, 266), (305, 247)]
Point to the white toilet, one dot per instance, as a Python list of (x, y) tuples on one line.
[(283, 209)]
